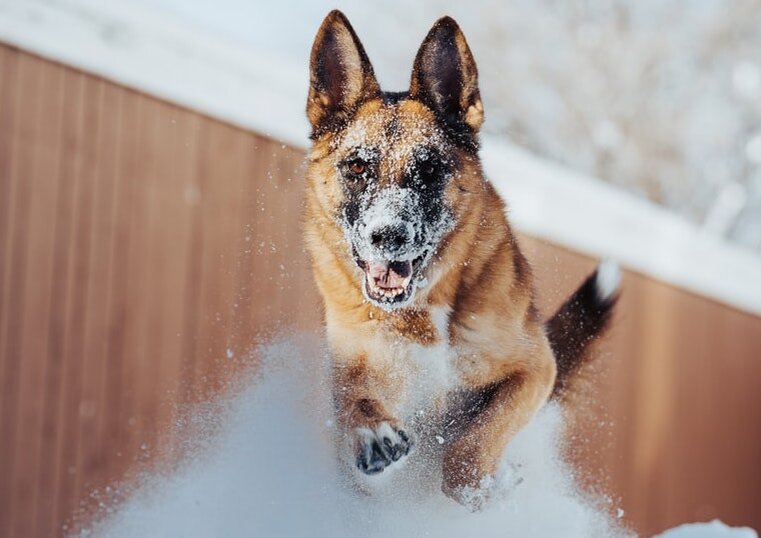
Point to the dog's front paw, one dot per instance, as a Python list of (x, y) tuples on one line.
[(379, 447)]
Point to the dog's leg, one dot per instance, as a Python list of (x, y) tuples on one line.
[(373, 437), (509, 404)]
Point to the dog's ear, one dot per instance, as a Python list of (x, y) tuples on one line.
[(341, 77), (445, 77)]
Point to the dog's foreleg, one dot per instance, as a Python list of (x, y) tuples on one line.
[(373, 437), (511, 403)]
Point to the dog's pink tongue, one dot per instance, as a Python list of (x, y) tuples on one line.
[(389, 274)]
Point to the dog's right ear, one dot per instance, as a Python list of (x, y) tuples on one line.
[(341, 77)]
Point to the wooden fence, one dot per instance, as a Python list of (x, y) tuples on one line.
[(142, 244)]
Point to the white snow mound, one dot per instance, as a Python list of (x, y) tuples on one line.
[(714, 529), (268, 470)]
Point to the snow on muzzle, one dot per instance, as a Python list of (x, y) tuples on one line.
[(389, 243), (390, 225)]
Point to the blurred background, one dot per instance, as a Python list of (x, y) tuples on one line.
[(151, 163), (660, 98)]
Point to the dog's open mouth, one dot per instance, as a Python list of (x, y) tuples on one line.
[(390, 282)]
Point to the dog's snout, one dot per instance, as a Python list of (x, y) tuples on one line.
[(391, 238)]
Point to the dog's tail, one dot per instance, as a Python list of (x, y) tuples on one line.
[(581, 320)]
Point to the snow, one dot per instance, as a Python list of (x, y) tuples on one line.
[(260, 462), (608, 279), (395, 207), (263, 465), (714, 529)]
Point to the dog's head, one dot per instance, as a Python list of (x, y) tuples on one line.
[(393, 170)]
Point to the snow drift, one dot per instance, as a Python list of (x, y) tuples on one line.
[(265, 468)]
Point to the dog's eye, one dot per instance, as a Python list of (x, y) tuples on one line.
[(357, 167), (428, 170)]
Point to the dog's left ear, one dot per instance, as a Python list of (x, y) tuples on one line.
[(341, 77), (445, 77)]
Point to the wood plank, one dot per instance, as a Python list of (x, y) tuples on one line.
[(55, 469), (78, 272), (99, 171), (15, 307), (9, 105), (123, 427), (152, 345), (139, 358), (179, 131), (116, 257), (50, 229)]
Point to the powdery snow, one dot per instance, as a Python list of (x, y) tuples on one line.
[(269, 471), (263, 466), (714, 529)]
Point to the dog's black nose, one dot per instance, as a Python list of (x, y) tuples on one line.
[(391, 237)]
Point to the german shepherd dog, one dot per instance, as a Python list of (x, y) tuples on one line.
[(428, 300)]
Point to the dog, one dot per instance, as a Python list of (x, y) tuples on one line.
[(429, 303)]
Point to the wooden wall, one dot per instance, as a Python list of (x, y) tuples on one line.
[(145, 248)]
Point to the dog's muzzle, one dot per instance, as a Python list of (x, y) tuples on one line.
[(389, 245)]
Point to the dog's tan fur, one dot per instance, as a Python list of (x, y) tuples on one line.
[(479, 299)]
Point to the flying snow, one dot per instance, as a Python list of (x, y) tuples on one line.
[(269, 471)]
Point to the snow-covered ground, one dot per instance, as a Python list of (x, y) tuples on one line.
[(260, 463), (713, 529)]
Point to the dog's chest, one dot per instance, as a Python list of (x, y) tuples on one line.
[(426, 372)]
